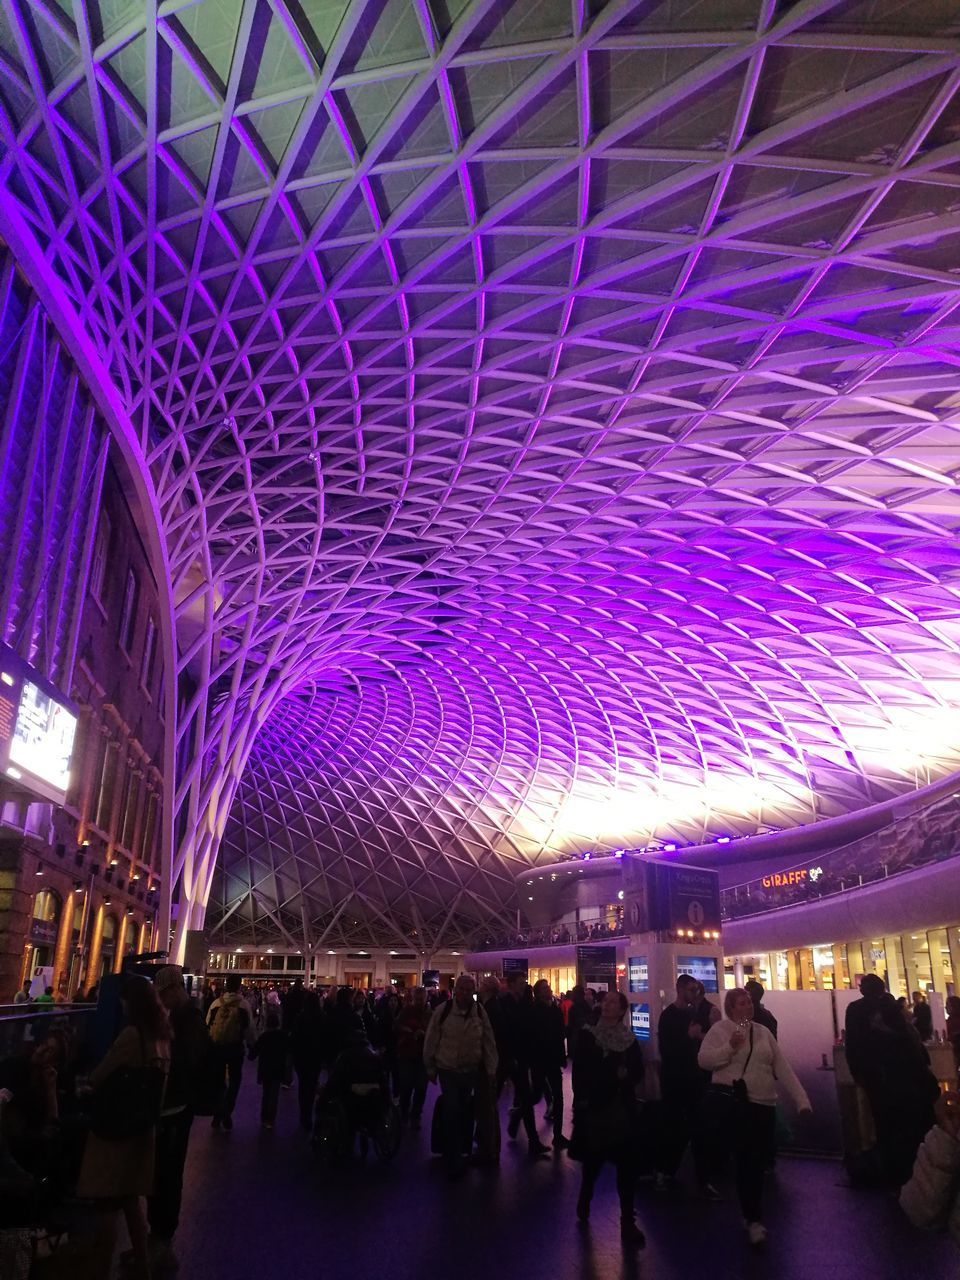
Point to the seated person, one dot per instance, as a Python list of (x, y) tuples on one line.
[(358, 1081)]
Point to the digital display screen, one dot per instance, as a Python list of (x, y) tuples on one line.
[(638, 974), (42, 740), (703, 968), (38, 726), (640, 1021)]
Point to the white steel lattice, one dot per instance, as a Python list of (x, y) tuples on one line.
[(553, 406)]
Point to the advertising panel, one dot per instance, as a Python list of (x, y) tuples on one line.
[(638, 974), (37, 730), (597, 967), (703, 968), (640, 1021)]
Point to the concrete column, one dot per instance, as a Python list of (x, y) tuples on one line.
[(92, 973), (121, 942), (937, 974), (16, 898), (953, 942), (893, 954), (61, 954)]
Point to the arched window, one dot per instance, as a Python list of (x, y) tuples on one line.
[(108, 937), (46, 906)]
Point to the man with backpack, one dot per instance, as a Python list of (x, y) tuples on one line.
[(460, 1050), (231, 1030)]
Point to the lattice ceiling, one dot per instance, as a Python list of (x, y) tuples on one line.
[(561, 396)]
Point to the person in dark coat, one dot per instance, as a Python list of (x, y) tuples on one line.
[(309, 1042), (189, 1051), (761, 1015), (411, 1028), (922, 1016), (581, 1014), (516, 1007), (607, 1071), (386, 1014), (291, 1005), (270, 1052), (888, 1061), (680, 1031), (548, 1056), (344, 1021)]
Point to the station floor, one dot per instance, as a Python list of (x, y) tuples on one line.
[(258, 1206)]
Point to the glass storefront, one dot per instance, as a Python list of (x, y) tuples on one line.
[(920, 961)]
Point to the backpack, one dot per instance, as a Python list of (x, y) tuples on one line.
[(231, 1023)]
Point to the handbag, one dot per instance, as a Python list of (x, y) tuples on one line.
[(721, 1102), (129, 1101)]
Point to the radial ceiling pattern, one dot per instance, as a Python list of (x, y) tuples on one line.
[(560, 399)]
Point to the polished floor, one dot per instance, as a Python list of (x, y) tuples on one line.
[(257, 1205)]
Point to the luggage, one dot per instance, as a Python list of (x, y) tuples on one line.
[(436, 1128)]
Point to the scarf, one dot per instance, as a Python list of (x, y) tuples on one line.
[(615, 1039)]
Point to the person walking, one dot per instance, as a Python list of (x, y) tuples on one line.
[(761, 1014), (607, 1071), (548, 1057), (746, 1064), (580, 1014), (119, 1160), (270, 1052), (683, 1082), (922, 1016), (310, 1046), (231, 1030), (458, 1048), (189, 1052), (516, 1007), (23, 995), (411, 1030), (890, 1064)]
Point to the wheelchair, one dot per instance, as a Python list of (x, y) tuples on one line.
[(364, 1117)]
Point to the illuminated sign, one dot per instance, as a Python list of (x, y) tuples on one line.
[(38, 726), (703, 968), (639, 978), (640, 1021), (785, 879)]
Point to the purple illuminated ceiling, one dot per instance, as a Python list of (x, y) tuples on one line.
[(554, 407)]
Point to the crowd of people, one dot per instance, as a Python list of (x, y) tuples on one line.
[(559, 935), (721, 1072)]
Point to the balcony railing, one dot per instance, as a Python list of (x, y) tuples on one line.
[(906, 844)]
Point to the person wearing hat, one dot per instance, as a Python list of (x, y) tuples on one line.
[(189, 1050)]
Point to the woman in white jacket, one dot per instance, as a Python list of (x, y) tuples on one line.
[(746, 1065), (931, 1199)]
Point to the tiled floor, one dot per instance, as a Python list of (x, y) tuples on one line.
[(258, 1205)]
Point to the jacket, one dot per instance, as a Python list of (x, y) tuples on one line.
[(271, 1054), (188, 1050), (460, 1040), (548, 1050), (932, 1196), (765, 1069)]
